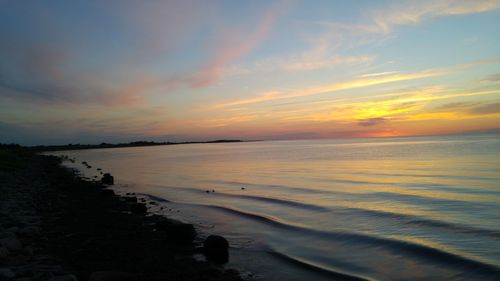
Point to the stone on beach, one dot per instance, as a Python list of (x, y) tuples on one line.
[(111, 276), (11, 244), (108, 192), (216, 249), (4, 253), (68, 277), (107, 178), (130, 199), (138, 208), (6, 274), (179, 232)]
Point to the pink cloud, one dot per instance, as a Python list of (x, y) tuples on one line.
[(235, 44)]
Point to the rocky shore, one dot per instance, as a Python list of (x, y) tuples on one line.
[(55, 226)]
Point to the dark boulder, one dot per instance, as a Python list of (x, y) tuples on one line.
[(107, 178), (138, 208), (216, 249)]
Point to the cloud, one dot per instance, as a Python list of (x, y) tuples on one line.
[(53, 67), (235, 44), (491, 108), (322, 89), (491, 78), (307, 61), (414, 12), (372, 121)]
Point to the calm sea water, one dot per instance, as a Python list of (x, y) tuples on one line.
[(419, 208)]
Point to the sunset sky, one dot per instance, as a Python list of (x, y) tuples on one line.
[(119, 71)]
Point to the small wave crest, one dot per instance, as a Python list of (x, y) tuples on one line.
[(394, 245)]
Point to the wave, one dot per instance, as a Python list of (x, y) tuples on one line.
[(394, 245), (445, 176), (415, 220), (337, 275), (401, 218), (289, 203), (154, 198)]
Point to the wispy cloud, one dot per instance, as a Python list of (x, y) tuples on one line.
[(322, 89), (414, 12)]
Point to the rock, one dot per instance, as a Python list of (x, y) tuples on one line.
[(13, 229), (25, 270), (6, 274), (29, 231), (4, 253), (12, 244), (43, 276), (29, 251), (216, 249), (233, 272), (111, 276), (68, 277), (107, 178), (181, 232), (131, 199), (108, 192), (138, 208)]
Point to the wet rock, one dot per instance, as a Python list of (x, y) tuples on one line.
[(111, 276), (6, 274), (138, 208), (107, 178), (216, 249)]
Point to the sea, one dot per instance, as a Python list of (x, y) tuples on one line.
[(403, 208)]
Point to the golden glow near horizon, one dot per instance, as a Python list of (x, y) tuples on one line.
[(267, 70)]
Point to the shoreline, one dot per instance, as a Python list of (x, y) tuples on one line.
[(69, 147), (83, 231)]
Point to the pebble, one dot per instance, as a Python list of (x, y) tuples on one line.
[(12, 244), (6, 274), (4, 253), (68, 277), (29, 231), (110, 276)]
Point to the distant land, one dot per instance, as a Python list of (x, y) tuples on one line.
[(111, 145)]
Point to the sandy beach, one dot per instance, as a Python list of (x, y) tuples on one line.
[(56, 226)]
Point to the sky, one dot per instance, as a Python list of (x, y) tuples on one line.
[(117, 71)]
